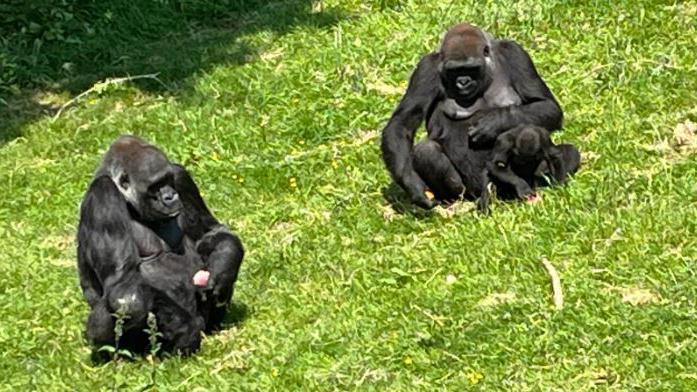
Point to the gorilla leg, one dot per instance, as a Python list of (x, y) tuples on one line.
[(571, 157), (100, 325), (564, 160), (128, 302), (434, 167), (170, 277)]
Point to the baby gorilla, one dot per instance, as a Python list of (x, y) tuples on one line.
[(524, 158)]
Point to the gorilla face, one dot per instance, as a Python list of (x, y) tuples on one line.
[(160, 200), (465, 68), (464, 79), (147, 183)]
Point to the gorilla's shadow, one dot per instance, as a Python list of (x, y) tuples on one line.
[(237, 313), (118, 38)]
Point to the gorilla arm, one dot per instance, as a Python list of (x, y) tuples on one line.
[(107, 259), (500, 164), (107, 251), (398, 135), (220, 249), (538, 106)]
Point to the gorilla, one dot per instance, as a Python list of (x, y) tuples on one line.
[(147, 243), (524, 158), (468, 93)]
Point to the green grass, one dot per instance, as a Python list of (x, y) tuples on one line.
[(340, 288)]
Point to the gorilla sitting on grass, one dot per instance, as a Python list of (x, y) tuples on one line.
[(147, 243)]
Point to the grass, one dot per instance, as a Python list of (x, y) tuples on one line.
[(344, 286)]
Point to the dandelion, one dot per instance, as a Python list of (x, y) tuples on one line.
[(408, 360), (475, 377)]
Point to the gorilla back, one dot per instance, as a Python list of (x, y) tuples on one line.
[(144, 232)]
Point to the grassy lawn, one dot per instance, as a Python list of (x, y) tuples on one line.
[(276, 108)]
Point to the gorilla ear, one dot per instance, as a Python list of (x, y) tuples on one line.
[(487, 51), (124, 181)]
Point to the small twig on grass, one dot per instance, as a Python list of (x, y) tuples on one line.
[(101, 86), (556, 284)]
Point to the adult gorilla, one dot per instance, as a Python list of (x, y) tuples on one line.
[(487, 85), (144, 233)]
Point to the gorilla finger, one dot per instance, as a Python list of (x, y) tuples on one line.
[(423, 202)]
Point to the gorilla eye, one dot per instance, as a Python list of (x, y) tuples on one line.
[(123, 181), (486, 51)]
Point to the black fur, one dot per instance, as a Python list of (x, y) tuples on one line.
[(524, 158), (513, 77), (137, 256)]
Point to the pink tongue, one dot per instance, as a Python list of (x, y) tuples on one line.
[(201, 278)]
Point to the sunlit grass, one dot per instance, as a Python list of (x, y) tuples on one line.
[(343, 289)]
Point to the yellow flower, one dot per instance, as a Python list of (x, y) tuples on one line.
[(408, 360), (293, 182), (475, 377)]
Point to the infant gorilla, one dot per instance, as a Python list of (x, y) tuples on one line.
[(524, 158)]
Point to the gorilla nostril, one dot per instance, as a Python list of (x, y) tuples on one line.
[(463, 82), (170, 198)]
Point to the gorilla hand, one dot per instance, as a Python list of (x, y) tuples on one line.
[(416, 188), (524, 191), (486, 128)]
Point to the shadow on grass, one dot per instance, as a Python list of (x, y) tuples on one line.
[(236, 315), (104, 39)]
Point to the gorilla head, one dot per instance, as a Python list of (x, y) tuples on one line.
[(465, 63), (532, 143), (534, 156), (145, 178)]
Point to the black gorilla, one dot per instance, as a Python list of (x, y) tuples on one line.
[(474, 86), (144, 232), (524, 158)]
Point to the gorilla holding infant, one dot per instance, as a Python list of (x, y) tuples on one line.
[(147, 243), (469, 93)]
